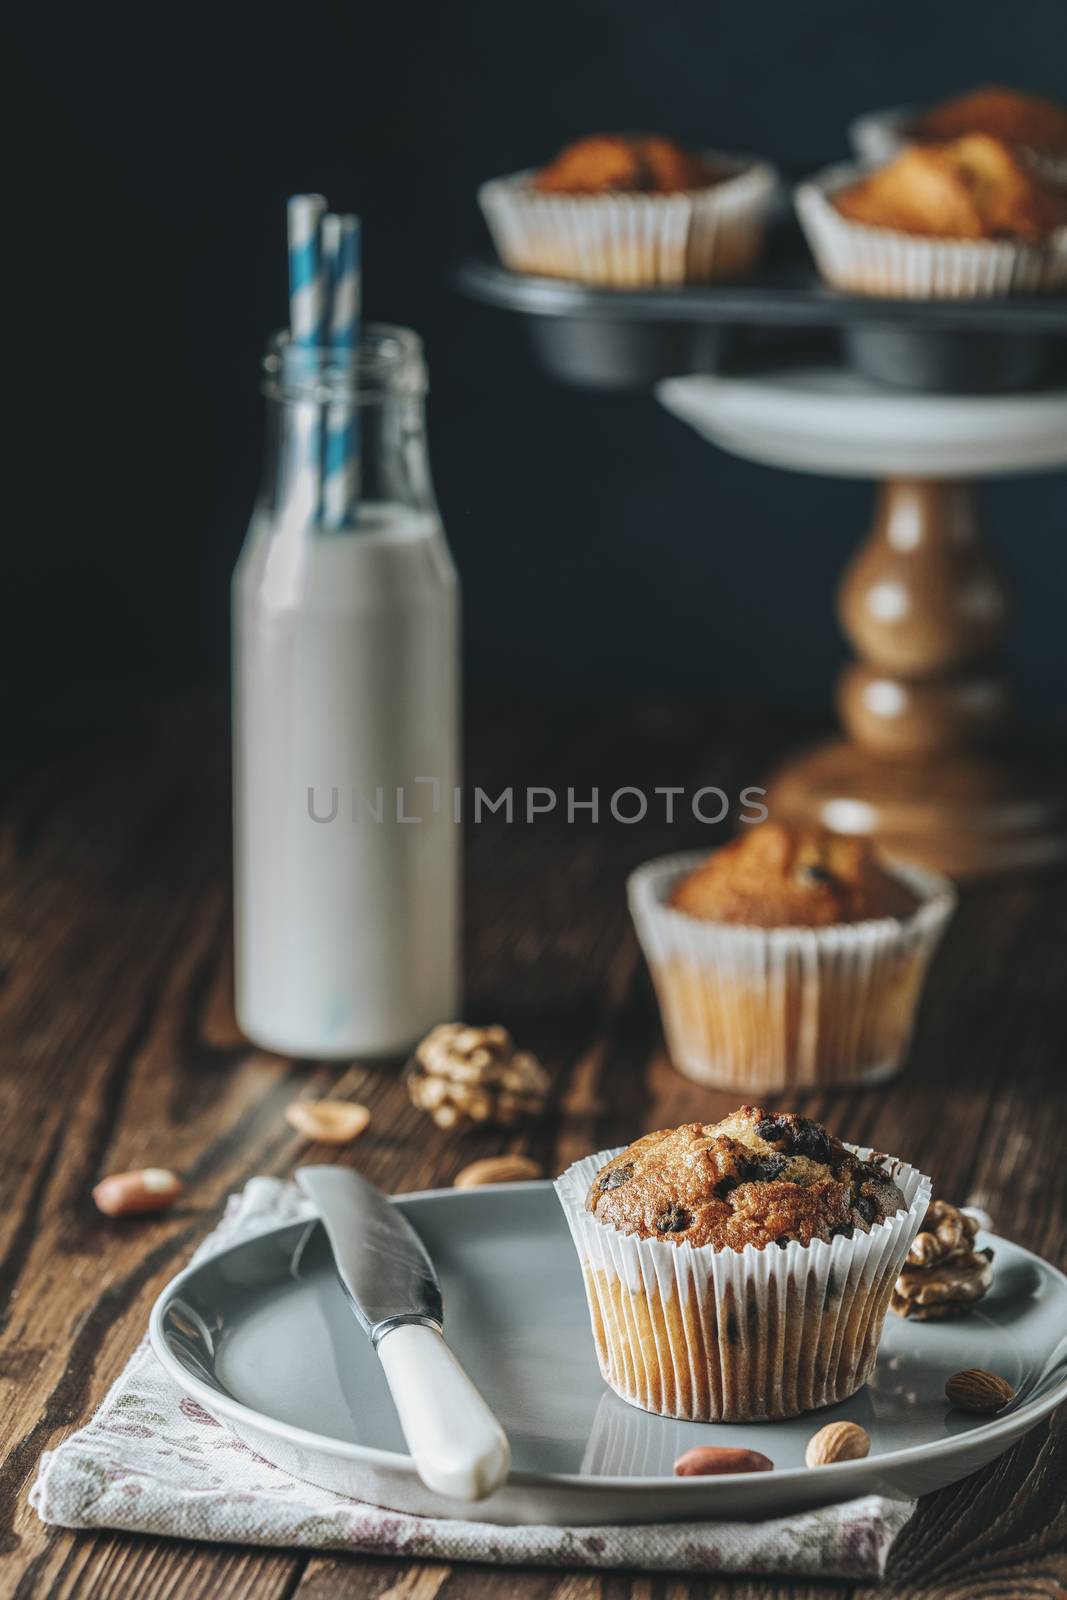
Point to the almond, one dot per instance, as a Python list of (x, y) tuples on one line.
[(707, 1461), (135, 1194), (838, 1441), (979, 1391), (328, 1121), (498, 1169)]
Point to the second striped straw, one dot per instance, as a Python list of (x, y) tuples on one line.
[(341, 258)]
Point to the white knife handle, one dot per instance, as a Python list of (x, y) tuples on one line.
[(459, 1447)]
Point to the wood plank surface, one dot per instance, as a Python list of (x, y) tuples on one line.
[(119, 1049)]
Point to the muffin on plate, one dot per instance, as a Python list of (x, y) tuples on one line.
[(741, 1271), (1030, 123), (964, 219), (632, 210), (791, 957)]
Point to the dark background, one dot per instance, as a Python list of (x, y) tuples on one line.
[(603, 548)]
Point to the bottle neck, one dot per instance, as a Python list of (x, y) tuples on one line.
[(343, 434)]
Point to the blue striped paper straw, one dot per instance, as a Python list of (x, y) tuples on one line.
[(341, 249), (305, 212), (330, 244)]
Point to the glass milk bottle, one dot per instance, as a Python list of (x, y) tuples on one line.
[(346, 720)]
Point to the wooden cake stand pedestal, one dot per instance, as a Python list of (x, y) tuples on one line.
[(934, 762)]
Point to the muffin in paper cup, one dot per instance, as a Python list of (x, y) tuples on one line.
[(882, 261), (746, 1335), (634, 240), (878, 136), (757, 1009)]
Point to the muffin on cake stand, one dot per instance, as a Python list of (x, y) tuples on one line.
[(934, 763)]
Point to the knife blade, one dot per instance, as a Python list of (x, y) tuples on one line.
[(458, 1446), (382, 1263)]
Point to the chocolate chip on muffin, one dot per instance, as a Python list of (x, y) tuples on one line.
[(797, 1135), (676, 1219), (753, 1178), (812, 872)]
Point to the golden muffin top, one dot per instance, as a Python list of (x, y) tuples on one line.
[(1008, 114), (976, 187), (643, 163), (755, 1178), (774, 876)]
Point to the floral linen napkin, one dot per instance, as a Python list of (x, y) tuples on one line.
[(153, 1461)]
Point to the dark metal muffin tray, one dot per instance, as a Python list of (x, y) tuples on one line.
[(626, 338)]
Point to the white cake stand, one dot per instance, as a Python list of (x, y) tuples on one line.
[(934, 763)]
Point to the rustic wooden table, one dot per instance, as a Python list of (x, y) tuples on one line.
[(120, 1050)]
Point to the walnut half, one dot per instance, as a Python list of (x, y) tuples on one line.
[(943, 1276), (945, 1232)]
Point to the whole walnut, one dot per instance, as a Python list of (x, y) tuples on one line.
[(464, 1076)]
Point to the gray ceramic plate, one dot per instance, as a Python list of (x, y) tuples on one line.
[(263, 1337)]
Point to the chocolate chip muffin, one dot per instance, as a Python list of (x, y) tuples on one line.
[(752, 1179), (1032, 126), (627, 163), (694, 1314), (967, 219), (976, 187), (1027, 121), (789, 957), (632, 211), (774, 876)]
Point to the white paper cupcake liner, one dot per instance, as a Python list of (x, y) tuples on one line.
[(878, 136), (881, 261), (756, 1009), (737, 1335), (632, 240)]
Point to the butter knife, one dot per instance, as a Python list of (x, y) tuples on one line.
[(458, 1446)]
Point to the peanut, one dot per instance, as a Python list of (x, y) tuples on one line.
[(328, 1121), (498, 1169), (705, 1461), (978, 1391), (134, 1194), (838, 1441)]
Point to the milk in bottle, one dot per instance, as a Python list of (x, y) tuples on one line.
[(346, 725)]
